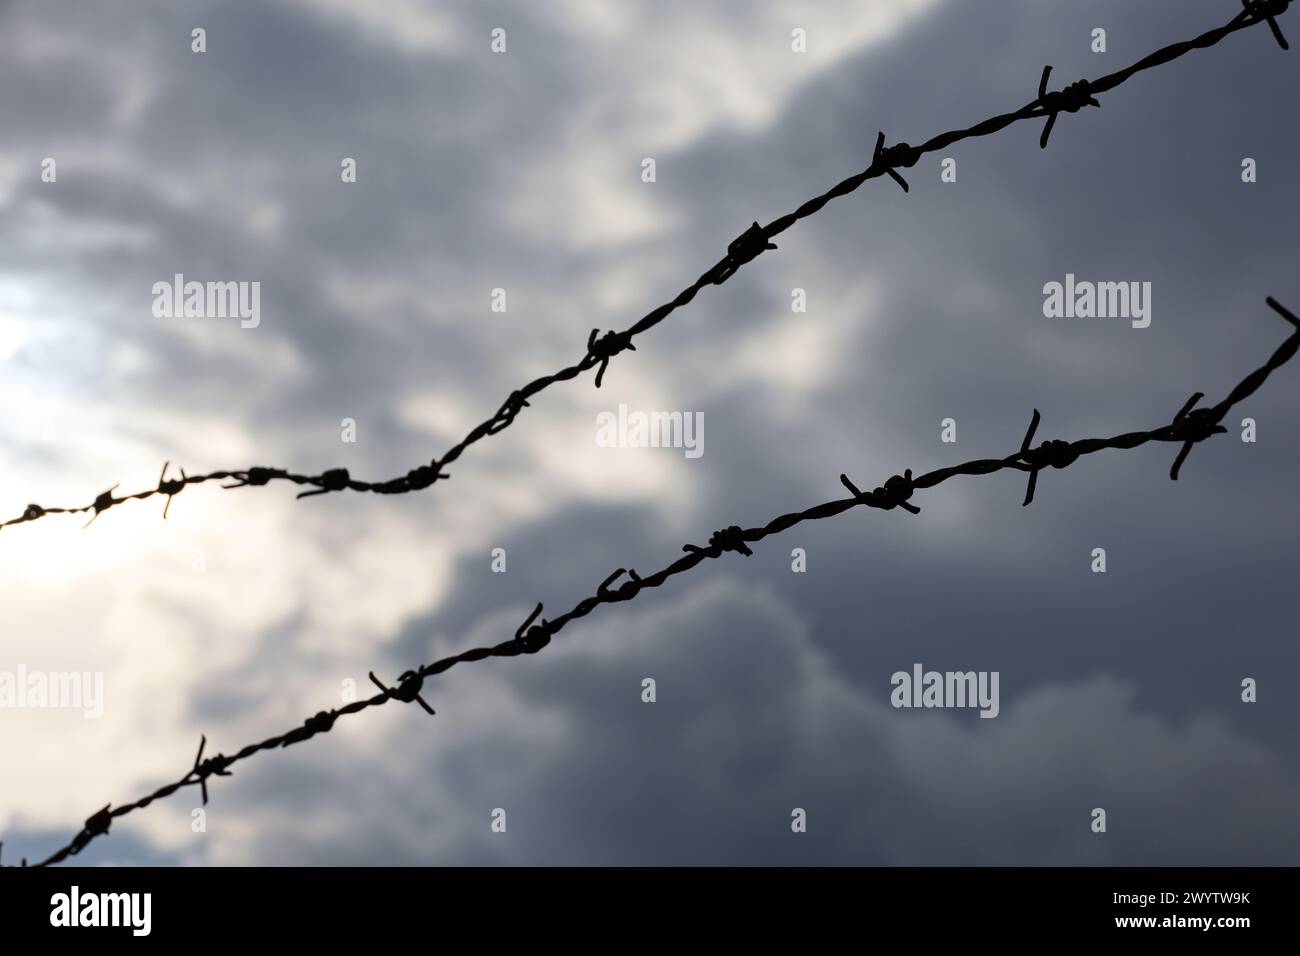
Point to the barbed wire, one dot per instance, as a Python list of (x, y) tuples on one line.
[(601, 349), (1189, 427)]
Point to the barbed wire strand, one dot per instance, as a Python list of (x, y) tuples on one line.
[(601, 349), (1189, 427)]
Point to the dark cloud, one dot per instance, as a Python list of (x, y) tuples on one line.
[(1118, 690)]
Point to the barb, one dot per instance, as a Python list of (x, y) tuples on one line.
[(1070, 100), (742, 250), (1188, 427)]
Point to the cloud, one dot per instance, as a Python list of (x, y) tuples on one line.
[(750, 722), (522, 172)]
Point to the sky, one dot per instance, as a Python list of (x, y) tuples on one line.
[(247, 610)]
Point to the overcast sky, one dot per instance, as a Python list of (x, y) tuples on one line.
[(245, 611)]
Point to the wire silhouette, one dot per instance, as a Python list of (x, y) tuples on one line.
[(1189, 427), (601, 349)]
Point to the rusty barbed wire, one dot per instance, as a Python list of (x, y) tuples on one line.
[(601, 349), (1190, 426)]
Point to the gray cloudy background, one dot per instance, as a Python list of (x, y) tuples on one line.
[(523, 171)]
